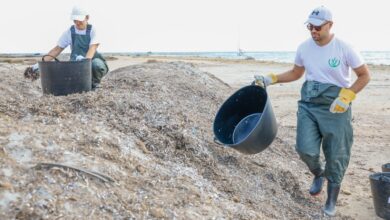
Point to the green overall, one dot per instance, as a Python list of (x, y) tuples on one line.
[(317, 125), (80, 46)]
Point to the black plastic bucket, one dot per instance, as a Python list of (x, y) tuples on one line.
[(245, 126), (380, 189), (249, 112), (386, 167), (63, 78)]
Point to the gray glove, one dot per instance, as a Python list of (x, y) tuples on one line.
[(263, 80), (80, 58)]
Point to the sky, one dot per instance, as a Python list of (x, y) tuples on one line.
[(192, 25)]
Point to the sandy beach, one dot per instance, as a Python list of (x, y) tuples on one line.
[(124, 127)]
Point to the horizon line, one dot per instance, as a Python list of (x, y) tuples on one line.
[(155, 52)]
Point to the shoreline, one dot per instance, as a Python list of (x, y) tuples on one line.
[(33, 58)]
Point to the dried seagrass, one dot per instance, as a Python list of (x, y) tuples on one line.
[(29, 73)]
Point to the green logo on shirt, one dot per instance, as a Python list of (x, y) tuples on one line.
[(334, 62)]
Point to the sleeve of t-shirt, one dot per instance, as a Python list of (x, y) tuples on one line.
[(65, 39), (354, 58), (298, 58), (94, 37)]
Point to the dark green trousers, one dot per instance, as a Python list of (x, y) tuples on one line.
[(317, 127), (99, 69)]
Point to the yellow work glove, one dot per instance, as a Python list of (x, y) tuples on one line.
[(341, 103), (265, 81)]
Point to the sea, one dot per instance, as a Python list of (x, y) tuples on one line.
[(370, 57)]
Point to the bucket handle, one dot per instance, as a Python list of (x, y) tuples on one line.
[(217, 141), (47, 55)]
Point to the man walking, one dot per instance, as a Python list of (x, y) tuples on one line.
[(84, 43), (324, 111)]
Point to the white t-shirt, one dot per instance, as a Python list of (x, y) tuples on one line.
[(329, 63), (66, 38)]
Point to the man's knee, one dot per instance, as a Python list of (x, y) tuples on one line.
[(304, 155), (98, 66), (312, 160), (307, 147)]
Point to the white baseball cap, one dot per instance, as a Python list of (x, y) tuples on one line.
[(78, 13), (319, 16)]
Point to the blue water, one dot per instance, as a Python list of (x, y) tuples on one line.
[(370, 57)]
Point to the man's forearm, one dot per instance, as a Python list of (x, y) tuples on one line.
[(360, 83), (291, 75), (363, 77), (53, 53), (91, 51), (286, 77)]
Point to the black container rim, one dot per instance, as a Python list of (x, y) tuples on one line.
[(267, 102), (63, 62), (375, 175)]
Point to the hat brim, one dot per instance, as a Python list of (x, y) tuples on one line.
[(315, 22), (78, 17)]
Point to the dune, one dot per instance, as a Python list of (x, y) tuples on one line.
[(149, 128)]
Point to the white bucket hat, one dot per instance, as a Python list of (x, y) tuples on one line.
[(78, 13)]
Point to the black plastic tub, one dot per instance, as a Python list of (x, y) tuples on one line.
[(386, 167), (380, 189), (65, 77), (248, 103)]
